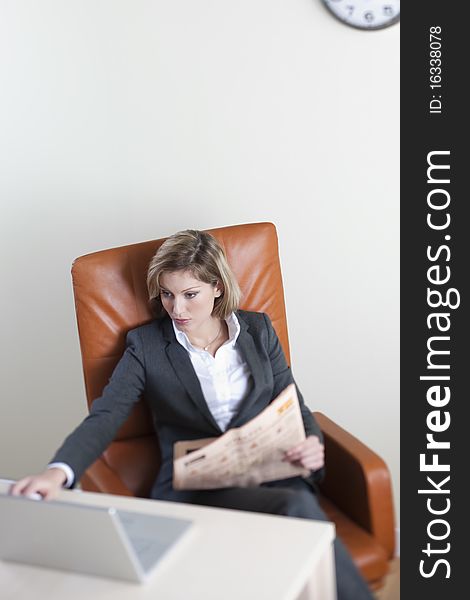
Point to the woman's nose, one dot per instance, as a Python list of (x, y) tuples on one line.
[(178, 306)]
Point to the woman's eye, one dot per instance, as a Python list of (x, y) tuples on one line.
[(165, 294), (191, 295)]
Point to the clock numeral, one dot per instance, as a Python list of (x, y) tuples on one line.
[(365, 14)]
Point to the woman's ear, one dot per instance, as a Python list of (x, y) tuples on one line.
[(218, 290)]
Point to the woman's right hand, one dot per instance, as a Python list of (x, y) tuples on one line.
[(47, 484)]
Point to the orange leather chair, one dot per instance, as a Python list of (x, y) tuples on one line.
[(111, 298)]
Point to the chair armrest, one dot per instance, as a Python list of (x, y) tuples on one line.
[(101, 478), (358, 481)]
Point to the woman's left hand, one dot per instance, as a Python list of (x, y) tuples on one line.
[(309, 454)]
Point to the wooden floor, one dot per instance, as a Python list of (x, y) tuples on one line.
[(391, 589)]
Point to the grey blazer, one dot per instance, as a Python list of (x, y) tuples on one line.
[(156, 367)]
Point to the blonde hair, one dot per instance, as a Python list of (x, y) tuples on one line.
[(201, 254)]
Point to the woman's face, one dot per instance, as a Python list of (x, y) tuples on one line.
[(187, 300)]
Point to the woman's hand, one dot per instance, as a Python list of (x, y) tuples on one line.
[(309, 454), (48, 484)]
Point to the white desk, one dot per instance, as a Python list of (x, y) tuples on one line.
[(231, 555)]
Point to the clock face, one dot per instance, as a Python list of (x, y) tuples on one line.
[(365, 14)]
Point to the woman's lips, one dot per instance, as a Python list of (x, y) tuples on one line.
[(181, 321)]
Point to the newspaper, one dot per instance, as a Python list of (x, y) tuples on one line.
[(244, 456)]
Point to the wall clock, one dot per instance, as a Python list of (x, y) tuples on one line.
[(365, 14)]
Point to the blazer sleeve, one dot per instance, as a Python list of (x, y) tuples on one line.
[(108, 412), (282, 378)]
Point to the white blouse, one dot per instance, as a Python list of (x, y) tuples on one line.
[(225, 378)]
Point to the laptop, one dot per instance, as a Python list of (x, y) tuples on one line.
[(95, 540)]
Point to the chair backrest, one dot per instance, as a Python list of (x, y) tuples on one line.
[(111, 298)]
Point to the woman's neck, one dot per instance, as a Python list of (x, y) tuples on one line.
[(211, 337)]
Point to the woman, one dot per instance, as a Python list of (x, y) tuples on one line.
[(203, 367)]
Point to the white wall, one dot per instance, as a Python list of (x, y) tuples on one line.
[(126, 121)]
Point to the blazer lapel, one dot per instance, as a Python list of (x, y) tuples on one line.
[(247, 347), (184, 370)]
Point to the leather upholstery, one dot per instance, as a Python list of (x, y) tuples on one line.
[(356, 494), (111, 298)]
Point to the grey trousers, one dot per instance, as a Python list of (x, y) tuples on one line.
[(291, 497)]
